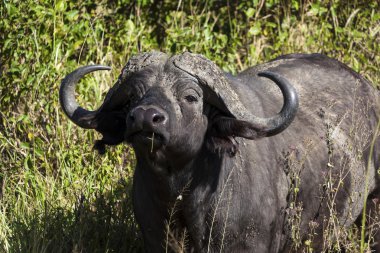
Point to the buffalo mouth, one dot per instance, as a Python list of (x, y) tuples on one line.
[(148, 139)]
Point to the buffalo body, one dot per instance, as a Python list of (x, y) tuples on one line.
[(214, 166)]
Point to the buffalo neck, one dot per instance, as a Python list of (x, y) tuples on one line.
[(173, 181)]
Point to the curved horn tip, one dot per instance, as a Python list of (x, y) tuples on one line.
[(267, 73), (91, 68), (285, 86), (281, 121)]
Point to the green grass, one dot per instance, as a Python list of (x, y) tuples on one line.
[(56, 193)]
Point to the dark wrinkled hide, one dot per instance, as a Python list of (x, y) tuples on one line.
[(235, 194)]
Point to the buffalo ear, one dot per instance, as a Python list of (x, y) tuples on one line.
[(223, 130), (112, 126), (219, 144)]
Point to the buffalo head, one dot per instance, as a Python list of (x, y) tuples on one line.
[(170, 106)]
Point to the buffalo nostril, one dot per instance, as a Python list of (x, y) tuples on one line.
[(150, 117), (158, 118), (153, 116), (136, 115)]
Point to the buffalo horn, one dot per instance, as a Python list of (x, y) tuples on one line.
[(77, 114), (280, 121), (223, 96)]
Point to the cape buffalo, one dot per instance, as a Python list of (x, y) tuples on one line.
[(267, 160)]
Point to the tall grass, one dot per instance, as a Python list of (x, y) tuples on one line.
[(56, 193)]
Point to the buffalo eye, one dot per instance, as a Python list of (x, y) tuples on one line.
[(191, 99), (190, 96)]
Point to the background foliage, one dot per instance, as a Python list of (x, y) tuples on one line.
[(56, 193)]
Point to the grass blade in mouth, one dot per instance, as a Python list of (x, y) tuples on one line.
[(151, 149)]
